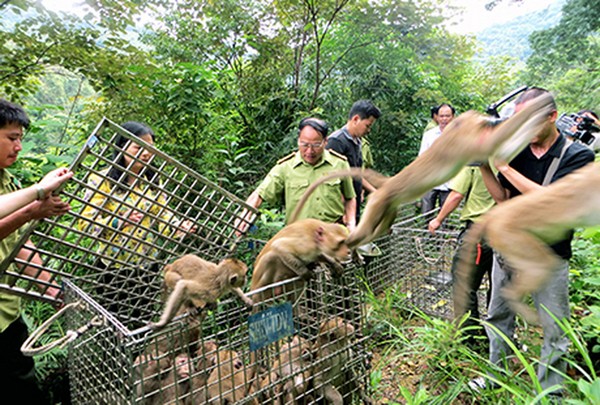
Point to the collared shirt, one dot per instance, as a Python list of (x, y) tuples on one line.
[(10, 304), (534, 168), (469, 183), (287, 181), (429, 137)]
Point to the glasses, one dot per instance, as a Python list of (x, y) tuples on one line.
[(305, 145)]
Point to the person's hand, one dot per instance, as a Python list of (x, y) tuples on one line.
[(186, 226), (54, 291), (54, 179), (135, 216), (50, 207), (433, 225)]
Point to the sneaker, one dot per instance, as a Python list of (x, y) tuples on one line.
[(477, 384)]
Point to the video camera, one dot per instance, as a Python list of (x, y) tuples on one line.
[(579, 127)]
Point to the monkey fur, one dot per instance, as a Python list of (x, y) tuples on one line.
[(197, 282), (521, 229), (471, 137), (292, 249)]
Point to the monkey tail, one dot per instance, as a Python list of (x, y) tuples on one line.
[(354, 172), (464, 269)]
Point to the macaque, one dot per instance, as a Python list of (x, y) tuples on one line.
[(296, 246), (175, 386), (229, 380), (206, 358), (196, 282), (332, 353), (471, 137), (148, 373), (521, 230), (294, 361)]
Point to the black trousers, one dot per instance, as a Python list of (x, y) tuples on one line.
[(17, 372), (482, 261)]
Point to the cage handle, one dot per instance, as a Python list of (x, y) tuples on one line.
[(421, 251), (27, 348)]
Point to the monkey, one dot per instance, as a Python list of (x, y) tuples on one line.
[(292, 249), (197, 282), (148, 373), (332, 353), (206, 357), (471, 137), (228, 382), (290, 373), (175, 387), (521, 229)]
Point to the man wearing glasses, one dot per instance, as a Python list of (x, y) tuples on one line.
[(334, 201)]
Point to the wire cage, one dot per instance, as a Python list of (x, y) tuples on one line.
[(113, 251), (302, 343), (422, 262), (215, 362)]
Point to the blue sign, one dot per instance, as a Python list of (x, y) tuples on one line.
[(270, 325)]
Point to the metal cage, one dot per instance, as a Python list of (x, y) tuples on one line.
[(110, 265)]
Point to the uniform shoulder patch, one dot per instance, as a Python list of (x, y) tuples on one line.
[(337, 154), (286, 158)]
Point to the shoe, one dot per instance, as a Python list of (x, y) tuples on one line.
[(477, 384)]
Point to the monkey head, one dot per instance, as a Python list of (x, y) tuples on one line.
[(182, 366), (336, 329), (331, 241), (236, 270)]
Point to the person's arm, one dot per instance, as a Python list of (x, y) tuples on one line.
[(350, 213), (520, 182), (452, 202), (368, 186), (51, 206), (41, 275), (247, 217), (9, 203), (496, 190)]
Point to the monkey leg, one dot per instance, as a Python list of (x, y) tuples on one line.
[(533, 263), (332, 395), (294, 264), (172, 306)]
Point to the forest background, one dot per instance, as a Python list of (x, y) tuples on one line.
[(224, 82)]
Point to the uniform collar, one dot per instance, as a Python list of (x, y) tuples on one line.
[(327, 158)]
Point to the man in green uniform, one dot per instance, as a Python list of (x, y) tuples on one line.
[(468, 184), (17, 376), (334, 201)]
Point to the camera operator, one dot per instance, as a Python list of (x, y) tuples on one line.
[(549, 157), (582, 127)]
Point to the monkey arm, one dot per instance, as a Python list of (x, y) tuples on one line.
[(238, 291), (293, 263)]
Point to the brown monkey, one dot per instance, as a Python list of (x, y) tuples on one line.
[(228, 382), (205, 362), (291, 372), (148, 373), (520, 230), (471, 137), (197, 282), (332, 353), (175, 387), (292, 249)]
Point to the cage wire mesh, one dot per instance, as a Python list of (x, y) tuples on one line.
[(110, 262), (105, 243)]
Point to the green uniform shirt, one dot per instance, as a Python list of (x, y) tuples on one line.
[(367, 155), (10, 304), (478, 200), (287, 181)]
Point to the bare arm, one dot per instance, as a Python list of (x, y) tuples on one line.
[(451, 203), (254, 200), (368, 186), (496, 190), (25, 255), (51, 206), (521, 183)]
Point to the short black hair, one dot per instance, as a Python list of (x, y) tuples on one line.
[(535, 92), (364, 109), (11, 114), (436, 109), (315, 123)]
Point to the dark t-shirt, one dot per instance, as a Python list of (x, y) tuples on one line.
[(342, 142), (526, 163)]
